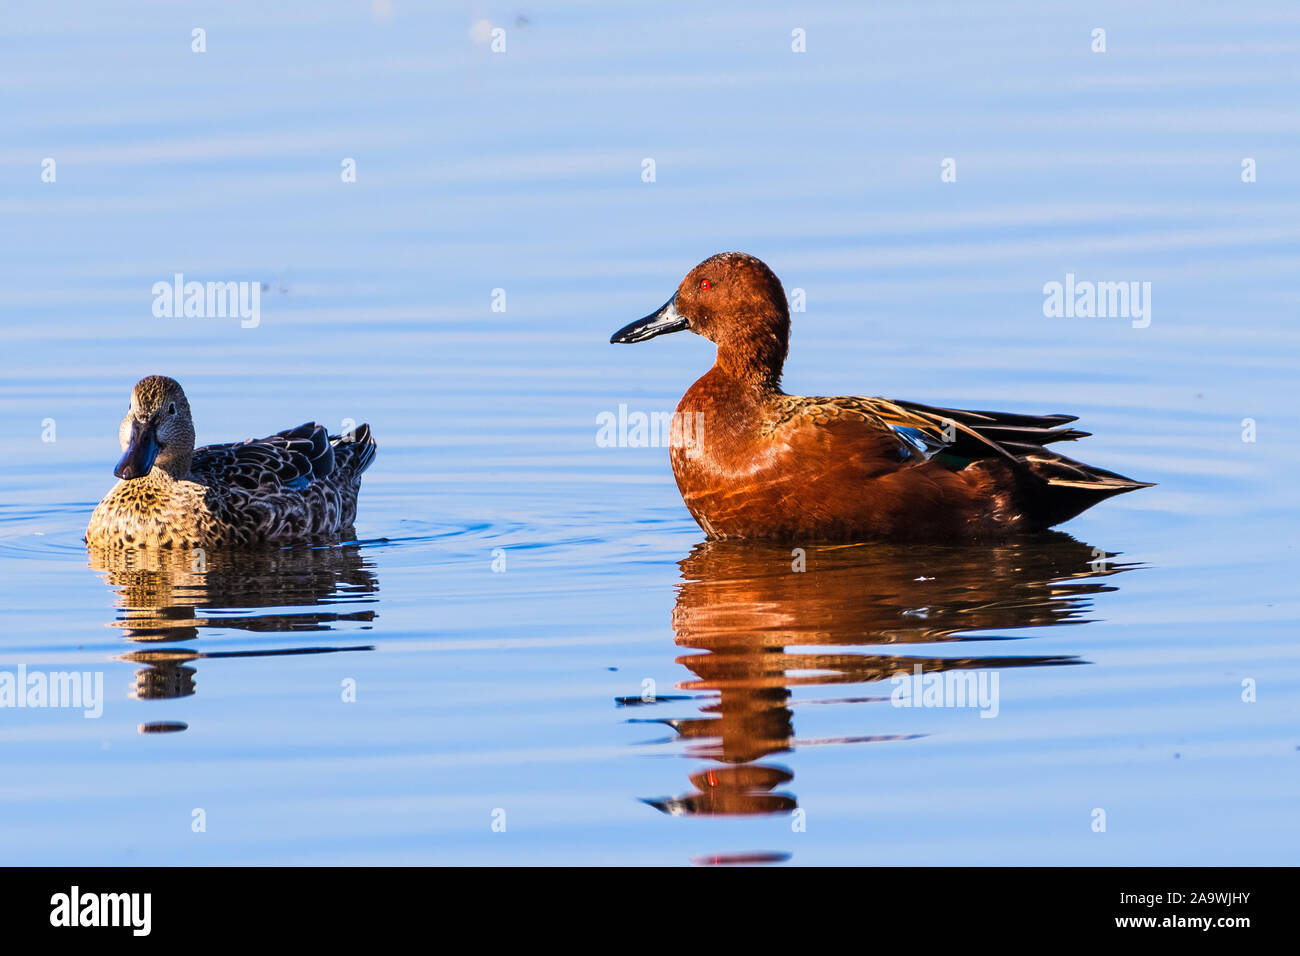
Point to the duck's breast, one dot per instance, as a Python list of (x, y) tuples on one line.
[(151, 513)]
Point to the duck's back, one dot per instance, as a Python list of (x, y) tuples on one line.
[(296, 484)]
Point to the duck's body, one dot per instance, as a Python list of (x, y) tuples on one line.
[(296, 485), (753, 462), (794, 467)]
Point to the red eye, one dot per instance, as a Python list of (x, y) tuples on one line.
[(706, 284)]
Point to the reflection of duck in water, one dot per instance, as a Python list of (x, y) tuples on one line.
[(744, 606), (166, 596)]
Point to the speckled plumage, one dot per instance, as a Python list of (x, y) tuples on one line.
[(295, 485)]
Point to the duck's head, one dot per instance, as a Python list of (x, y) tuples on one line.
[(735, 301), (157, 430)]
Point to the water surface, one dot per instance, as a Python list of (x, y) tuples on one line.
[(529, 629)]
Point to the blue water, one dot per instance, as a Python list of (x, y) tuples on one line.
[(487, 725)]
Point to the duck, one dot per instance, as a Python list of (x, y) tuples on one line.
[(752, 462), (297, 485)]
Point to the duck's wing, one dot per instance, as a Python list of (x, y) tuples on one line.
[(1057, 487), (807, 414), (287, 459), (1070, 486), (960, 435), (980, 434)]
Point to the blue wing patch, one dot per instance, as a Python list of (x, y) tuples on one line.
[(918, 441)]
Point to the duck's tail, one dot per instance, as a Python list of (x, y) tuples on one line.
[(1066, 487), (1049, 488), (354, 451)]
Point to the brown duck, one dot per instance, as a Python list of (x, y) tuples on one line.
[(295, 485), (754, 462)]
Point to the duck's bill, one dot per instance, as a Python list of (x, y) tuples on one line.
[(140, 453), (665, 320)]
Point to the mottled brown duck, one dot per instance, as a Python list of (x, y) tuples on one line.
[(296, 485)]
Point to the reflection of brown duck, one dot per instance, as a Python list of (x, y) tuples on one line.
[(745, 606), (732, 791), (168, 596)]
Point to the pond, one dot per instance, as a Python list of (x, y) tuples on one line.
[(529, 653)]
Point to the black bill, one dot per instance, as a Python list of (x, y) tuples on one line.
[(666, 319), (140, 453)]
